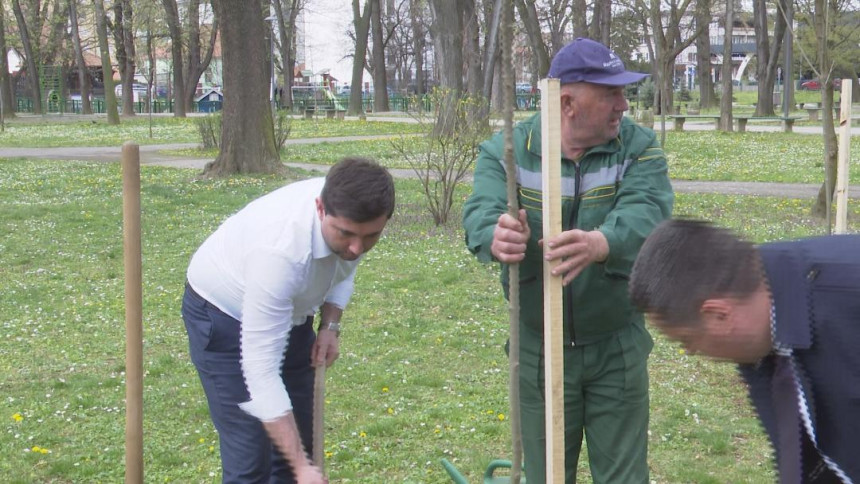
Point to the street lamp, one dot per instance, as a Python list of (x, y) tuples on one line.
[(271, 19)]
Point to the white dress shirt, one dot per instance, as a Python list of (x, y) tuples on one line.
[(269, 267)]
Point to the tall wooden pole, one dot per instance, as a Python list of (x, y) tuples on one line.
[(843, 164), (507, 72), (133, 314), (553, 333)]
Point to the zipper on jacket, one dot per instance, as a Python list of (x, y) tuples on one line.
[(573, 216)]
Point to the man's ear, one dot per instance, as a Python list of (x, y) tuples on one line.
[(567, 108), (320, 208), (716, 314)]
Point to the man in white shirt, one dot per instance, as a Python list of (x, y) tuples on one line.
[(253, 289)]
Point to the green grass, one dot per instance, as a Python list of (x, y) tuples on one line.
[(422, 373), (751, 156), (94, 131)]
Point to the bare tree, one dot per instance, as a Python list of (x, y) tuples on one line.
[(726, 69), (6, 96), (472, 48), (703, 55), (123, 33), (671, 33), (824, 12), (447, 32), (190, 62), (361, 21), (196, 59), (419, 41), (529, 18), (31, 51), (602, 21), (380, 78), (767, 53), (83, 71), (174, 27), (287, 12), (107, 68), (247, 130)]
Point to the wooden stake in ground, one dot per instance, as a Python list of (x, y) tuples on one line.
[(842, 165), (318, 455), (552, 287), (133, 314)]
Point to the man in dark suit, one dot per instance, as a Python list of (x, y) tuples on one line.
[(788, 313)]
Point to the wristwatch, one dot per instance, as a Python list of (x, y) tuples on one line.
[(332, 326)]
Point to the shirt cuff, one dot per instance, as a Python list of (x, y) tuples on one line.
[(269, 405)]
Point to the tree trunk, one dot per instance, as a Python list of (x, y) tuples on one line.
[(107, 69), (726, 71), (472, 50), (824, 202), (196, 63), (362, 29), (491, 51), (703, 56), (580, 22), (529, 18), (447, 30), (602, 21), (174, 27), (380, 77), (247, 129), (125, 53), (767, 54), (31, 53), (418, 44), (287, 20), (7, 98), (83, 71)]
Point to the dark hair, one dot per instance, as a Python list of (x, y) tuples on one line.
[(683, 263), (358, 189)]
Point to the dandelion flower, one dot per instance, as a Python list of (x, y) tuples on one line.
[(384, 389), (501, 417), (17, 417)]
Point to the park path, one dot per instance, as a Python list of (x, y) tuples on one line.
[(158, 155)]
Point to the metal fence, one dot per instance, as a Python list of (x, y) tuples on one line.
[(525, 102), (75, 106)]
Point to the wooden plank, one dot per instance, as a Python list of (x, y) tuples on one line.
[(552, 288), (318, 451), (844, 157)]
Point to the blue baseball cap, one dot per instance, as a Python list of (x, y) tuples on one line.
[(585, 60)]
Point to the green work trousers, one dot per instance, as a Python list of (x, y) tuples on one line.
[(605, 395)]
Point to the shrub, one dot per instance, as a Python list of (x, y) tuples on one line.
[(442, 158), (283, 126), (209, 128)]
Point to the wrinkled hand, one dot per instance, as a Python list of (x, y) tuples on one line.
[(310, 474), (326, 348), (510, 238), (576, 249)]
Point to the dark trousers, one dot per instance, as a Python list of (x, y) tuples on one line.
[(247, 453)]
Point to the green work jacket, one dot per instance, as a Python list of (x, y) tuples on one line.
[(620, 188)]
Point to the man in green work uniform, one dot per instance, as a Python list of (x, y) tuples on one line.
[(615, 190)]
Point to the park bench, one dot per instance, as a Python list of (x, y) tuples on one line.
[(678, 119), (787, 121), (332, 113)]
